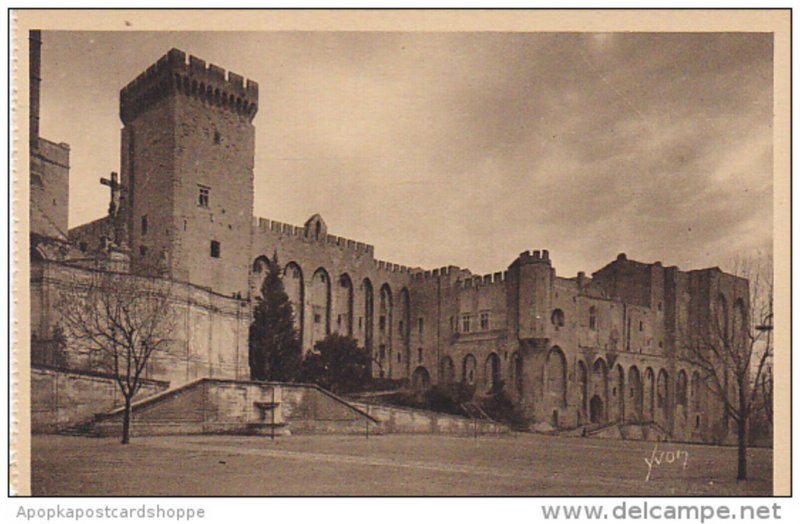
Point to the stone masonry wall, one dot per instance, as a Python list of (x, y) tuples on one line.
[(210, 337), (64, 398)]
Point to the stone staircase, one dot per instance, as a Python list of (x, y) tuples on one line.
[(473, 411), (241, 407)]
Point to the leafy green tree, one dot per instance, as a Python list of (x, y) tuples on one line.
[(275, 351), (338, 364)]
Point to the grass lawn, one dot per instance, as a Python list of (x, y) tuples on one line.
[(517, 464)]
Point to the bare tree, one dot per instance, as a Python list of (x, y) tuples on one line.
[(118, 321), (733, 349)]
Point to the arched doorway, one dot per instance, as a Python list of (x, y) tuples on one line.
[(555, 380), (583, 391), (469, 375), (447, 371), (596, 410), (635, 394), (600, 386), (491, 371), (515, 372), (662, 397), (649, 396), (620, 393), (420, 380)]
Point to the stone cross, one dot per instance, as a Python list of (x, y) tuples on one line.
[(115, 209), (116, 193)]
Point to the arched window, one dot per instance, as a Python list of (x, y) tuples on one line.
[(557, 318), (680, 389), (592, 318), (320, 305), (344, 305), (366, 287), (295, 289)]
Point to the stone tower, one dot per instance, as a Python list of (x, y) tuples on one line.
[(187, 172)]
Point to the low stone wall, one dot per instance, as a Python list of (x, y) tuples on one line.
[(395, 419), (219, 406), (61, 398)]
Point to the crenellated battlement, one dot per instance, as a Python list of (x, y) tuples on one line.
[(273, 226), (174, 74), (477, 281), (534, 257), (447, 271), (382, 265)]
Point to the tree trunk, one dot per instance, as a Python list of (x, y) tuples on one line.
[(126, 422), (742, 445)]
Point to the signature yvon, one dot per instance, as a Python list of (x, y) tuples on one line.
[(658, 458)]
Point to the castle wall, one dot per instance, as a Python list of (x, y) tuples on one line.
[(569, 351), (209, 337), (319, 313), (49, 185)]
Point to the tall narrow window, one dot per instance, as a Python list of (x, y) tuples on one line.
[(203, 196), (420, 325), (465, 321), (485, 320), (215, 249), (144, 225), (592, 318)]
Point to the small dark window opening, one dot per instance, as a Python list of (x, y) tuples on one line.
[(317, 318), (143, 250), (144, 225), (419, 355), (215, 249), (641, 326), (398, 357), (84, 247), (203, 197), (382, 323), (217, 137), (421, 325)]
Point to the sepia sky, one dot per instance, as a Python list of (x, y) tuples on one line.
[(467, 148)]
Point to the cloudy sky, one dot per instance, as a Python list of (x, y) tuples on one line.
[(467, 148)]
